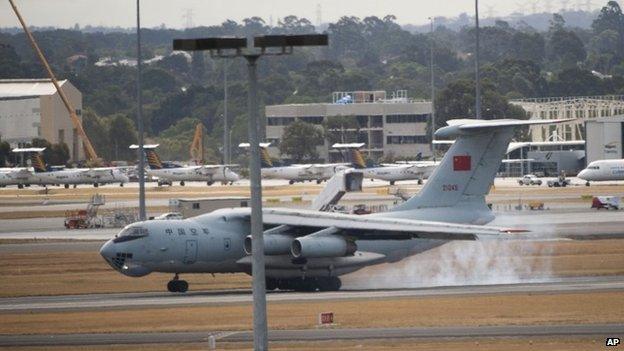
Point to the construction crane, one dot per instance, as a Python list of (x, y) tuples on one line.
[(197, 146), (92, 156)]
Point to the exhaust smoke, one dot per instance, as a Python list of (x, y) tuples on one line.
[(481, 262)]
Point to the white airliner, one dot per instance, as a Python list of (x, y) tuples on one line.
[(602, 170), (295, 173), (168, 172), (310, 250), (43, 175), (414, 170)]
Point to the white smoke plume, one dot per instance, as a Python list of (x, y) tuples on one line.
[(466, 263)]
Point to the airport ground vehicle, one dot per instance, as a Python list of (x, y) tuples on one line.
[(529, 179), (560, 182), (606, 202), (309, 250)]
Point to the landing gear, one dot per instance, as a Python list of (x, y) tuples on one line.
[(182, 183), (392, 182), (177, 285), (20, 186), (319, 181), (587, 184), (291, 182), (305, 284), (210, 183), (95, 185), (66, 186), (420, 181)]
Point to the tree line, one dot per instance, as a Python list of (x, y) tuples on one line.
[(371, 53)]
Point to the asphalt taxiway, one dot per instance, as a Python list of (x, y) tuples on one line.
[(598, 330), (213, 297)]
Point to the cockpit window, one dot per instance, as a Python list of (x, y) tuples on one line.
[(134, 231), (131, 233), (593, 167)]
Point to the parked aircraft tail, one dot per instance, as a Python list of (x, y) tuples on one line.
[(38, 163), (265, 158), (352, 154), (465, 174)]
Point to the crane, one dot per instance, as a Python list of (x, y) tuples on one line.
[(77, 124)]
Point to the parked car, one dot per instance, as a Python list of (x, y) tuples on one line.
[(530, 179), (168, 216)]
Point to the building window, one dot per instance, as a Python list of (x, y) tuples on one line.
[(280, 121), (406, 139), (196, 205), (407, 118), (312, 119), (376, 121)]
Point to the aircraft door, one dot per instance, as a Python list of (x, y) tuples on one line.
[(190, 254)]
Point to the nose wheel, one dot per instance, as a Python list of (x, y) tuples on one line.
[(177, 285)]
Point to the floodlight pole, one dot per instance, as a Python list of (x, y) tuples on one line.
[(142, 215), (477, 74), (226, 125), (261, 341)]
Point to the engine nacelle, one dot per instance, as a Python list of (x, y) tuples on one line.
[(274, 244), (322, 246)]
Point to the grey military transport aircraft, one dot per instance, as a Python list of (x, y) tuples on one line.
[(309, 250)]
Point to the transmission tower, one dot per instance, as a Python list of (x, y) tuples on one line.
[(187, 16)]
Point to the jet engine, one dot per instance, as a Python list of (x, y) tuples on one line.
[(322, 246), (274, 244)]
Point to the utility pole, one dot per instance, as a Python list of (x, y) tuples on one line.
[(477, 74), (226, 123), (237, 47), (140, 151), (433, 128)]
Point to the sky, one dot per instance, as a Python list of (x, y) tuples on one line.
[(173, 13)]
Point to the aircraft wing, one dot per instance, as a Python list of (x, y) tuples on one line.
[(379, 228), (97, 172)]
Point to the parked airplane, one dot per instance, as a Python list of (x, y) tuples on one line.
[(309, 250), (602, 170), (168, 172), (414, 170), (295, 173), (73, 176)]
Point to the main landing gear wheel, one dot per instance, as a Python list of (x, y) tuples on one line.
[(587, 184), (318, 181), (66, 186), (177, 285), (210, 183), (182, 183), (95, 185), (420, 181), (291, 182), (392, 182)]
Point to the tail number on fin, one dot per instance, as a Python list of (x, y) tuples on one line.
[(450, 187)]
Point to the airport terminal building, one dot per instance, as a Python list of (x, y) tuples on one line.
[(32, 108), (389, 126)]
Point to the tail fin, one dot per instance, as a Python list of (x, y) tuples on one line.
[(38, 163), (467, 170), (356, 159), (153, 160), (265, 158)]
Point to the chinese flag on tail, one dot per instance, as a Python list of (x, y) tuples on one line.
[(461, 163)]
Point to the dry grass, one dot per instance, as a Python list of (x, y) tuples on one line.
[(514, 309), (484, 344)]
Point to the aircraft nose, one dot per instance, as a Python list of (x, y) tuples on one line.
[(582, 174), (107, 251)]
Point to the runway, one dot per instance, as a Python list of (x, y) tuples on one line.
[(597, 330), (164, 299)]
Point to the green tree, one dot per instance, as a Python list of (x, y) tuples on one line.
[(300, 140), (611, 18), (5, 153), (122, 134)]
